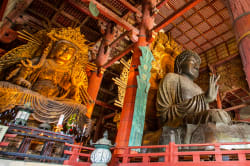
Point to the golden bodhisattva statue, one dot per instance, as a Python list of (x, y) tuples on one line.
[(49, 72)]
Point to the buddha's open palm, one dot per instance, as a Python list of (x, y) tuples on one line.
[(212, 89)]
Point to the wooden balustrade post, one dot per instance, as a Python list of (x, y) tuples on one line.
[(218, 157), (242, 156), (145, 159), (171, 151), (75, 156), (125, 159), (196, 158), (166, 155)]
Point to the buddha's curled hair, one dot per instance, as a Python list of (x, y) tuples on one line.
[(182, 57)]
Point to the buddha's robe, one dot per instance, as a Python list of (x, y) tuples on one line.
[(180, 101)]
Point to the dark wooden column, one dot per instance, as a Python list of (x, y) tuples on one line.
[(240, 12)]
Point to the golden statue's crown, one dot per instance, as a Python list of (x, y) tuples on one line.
[(69, 34)]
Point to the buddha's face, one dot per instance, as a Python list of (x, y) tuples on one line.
[(190, 67), (64, 52)]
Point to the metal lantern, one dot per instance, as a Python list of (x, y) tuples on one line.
[(23, 114), (101, 155)]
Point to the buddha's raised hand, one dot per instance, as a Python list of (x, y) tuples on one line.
[(212, 91)]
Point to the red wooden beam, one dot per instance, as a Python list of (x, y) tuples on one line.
[(84, 10), (105, 105), (129, 48), (243, 120), (225, 60), (236, 107), (131, 7), (160, 4), (109, 116), (113, 44), (179, 13), (112, 16), (2, 9)]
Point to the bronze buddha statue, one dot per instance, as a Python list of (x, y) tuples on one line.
[(181, 104), (51, 76)]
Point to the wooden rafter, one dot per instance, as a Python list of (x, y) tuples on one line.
[(122, 54), (160, 4), (105, 105), (179, 13), (109, 116), (112, 16), (236, 107), (131, 7)]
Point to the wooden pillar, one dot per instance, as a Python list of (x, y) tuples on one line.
[(237, 114), (240, 12), (122, 138), (8, 35), (99, 124), (95, 78), (95, 81), (218, 100)]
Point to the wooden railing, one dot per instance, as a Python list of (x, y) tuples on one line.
[(176, 155), (27, 135), (6, 136), (79, 155), (158, 155)]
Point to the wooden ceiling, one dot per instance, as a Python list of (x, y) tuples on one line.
[(201, 28)]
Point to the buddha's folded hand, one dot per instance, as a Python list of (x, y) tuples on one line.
[(22, 82), (219, 116)]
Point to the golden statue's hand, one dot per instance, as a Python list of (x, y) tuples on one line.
[(22, 82)]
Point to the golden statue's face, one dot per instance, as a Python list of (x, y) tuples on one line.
[(64, 52)]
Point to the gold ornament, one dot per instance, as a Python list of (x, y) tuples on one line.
[(122, 82), (164, 49), (50, 73)]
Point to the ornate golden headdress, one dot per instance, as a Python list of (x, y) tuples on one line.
[(69, 34)]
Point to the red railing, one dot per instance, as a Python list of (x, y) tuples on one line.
[(6, 136), (173, 155), (79, 155), (168, 155)]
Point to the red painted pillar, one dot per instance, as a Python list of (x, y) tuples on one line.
[(240, 11), (95, 78), (219, 104), (8, 35), (122, 138), (95, 81)]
